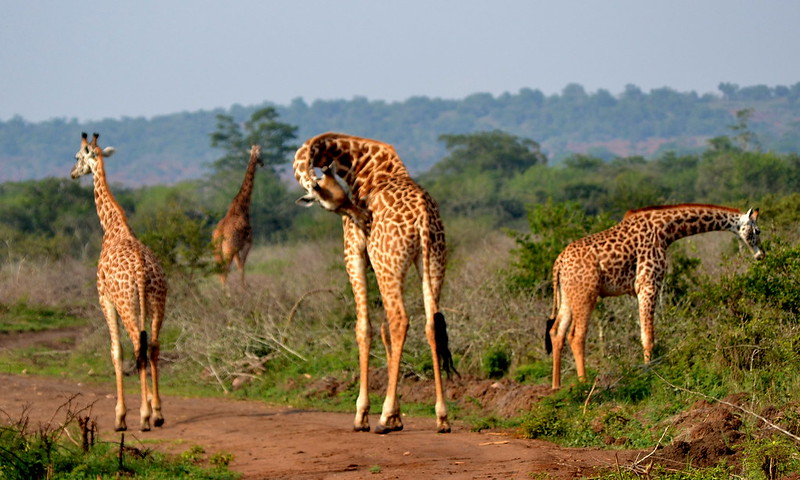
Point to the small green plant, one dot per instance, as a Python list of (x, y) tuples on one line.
[(375, 469), (221, 459), (194, 454), (49, 452), (770, 458), (533, 372), (496, 361)]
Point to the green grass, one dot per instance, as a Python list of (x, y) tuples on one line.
[(22, 317), (43, 453)]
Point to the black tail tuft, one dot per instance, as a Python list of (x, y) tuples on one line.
[(548, 342), (141, 359), (442, 348)]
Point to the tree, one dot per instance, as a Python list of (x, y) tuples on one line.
[(269, 212), (489, 151), (744, 136), (467, 182), (263, 128)]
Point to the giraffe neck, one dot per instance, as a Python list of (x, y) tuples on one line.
[(361, 163), (111, 215), (685, 220), (241, 203)]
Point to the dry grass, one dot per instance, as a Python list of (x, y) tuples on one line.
[(64, 284), (298, 303)]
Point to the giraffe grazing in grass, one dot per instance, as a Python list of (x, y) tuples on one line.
[(233, 236), (390, 223), (629, 259), (130, 284)]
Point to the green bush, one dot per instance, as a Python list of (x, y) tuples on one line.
[(496, 361), (552, 227)]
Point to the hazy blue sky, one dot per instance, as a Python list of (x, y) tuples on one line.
[(95, 60)]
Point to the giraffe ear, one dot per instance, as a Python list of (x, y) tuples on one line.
[(753, 214), (108, 151)]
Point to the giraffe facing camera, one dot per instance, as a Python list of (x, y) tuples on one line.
[(629, 258)]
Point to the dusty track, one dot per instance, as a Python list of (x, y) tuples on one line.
[(278, 442)]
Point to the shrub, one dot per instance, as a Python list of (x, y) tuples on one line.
[(552, 227), (496, 361)]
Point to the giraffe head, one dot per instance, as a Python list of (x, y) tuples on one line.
[(89, 155), (747, 229), (329, 193), (325, 190), (255, 151)]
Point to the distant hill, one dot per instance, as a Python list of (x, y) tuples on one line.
[(172, 148)]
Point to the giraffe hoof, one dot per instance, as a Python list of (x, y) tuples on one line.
[(443, 429), (382, 430), (364, 428), (158, 422), (120, 429)]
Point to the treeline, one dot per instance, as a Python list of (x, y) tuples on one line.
[(490, 178), (172, 148)]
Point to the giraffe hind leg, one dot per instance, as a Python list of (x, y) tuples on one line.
[(390, 420), (112, 320), (141, 364)]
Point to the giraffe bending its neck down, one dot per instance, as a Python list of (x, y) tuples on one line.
[(233, 236), (629, 259), (131, 286), (389, 222)]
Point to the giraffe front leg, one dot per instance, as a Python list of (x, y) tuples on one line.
[(356, 266), (647, 305)]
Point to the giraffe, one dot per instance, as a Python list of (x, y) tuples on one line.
[(390, 223), (629, 259), (130, 284), (233, 236)]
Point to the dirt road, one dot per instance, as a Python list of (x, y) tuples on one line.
[(276, 442)]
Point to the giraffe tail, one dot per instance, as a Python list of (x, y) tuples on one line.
[(442, 345), (141, 359), (548, 342)]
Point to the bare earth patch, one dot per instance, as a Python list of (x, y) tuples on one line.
[(280, 442)]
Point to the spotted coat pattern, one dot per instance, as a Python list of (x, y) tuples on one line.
[(629, 259), (404, 229), (130, 284), (233, 235)]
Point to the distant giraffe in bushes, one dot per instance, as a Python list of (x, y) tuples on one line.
[(629, 259), (233, 236), (131, 286), (389, 222)]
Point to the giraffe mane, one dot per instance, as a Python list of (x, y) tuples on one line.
[(651, 208)]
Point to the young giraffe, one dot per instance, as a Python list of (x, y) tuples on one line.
[(233, 236), (629, 258), (401, 227), (130, 284)]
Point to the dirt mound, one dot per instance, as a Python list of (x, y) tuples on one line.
[(706, 433), (504, 398)]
